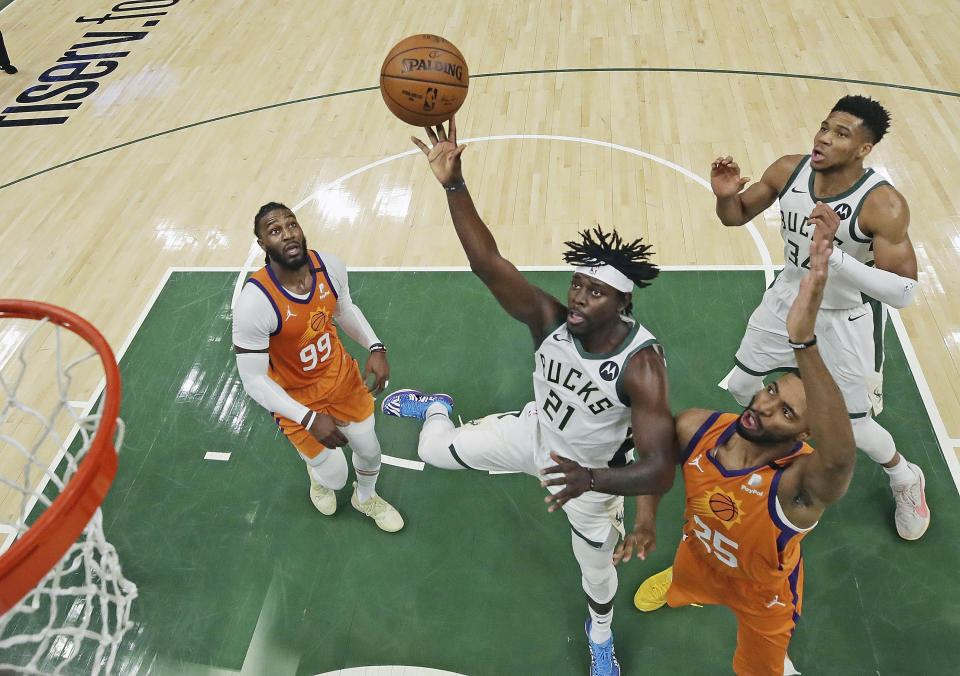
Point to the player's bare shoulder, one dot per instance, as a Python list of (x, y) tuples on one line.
[(645, 377), (688, 422), (885, 212), (778, 174)]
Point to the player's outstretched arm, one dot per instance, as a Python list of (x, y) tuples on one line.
[(735, 207), (822, 477), (523, 301)]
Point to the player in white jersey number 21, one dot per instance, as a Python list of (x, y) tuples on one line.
[(598, 374)]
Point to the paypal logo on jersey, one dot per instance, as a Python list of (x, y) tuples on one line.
[(754, 480)]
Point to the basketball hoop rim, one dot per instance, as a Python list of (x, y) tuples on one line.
[(45, 542)]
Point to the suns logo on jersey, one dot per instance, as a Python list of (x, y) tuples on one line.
[(317, 324), (318, 321), (721, 505)]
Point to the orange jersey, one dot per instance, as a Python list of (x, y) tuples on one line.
[(733, 522), (307, 358)]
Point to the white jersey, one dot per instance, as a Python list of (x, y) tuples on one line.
[(584, 413), (797, 200)]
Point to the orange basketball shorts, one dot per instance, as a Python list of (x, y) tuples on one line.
[(766, 615), (348, 400)]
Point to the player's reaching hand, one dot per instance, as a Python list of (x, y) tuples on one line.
[(325, 429), (642, 540), (725, 179), (443, 153), (378, 366), (576, 480), (826, 222)]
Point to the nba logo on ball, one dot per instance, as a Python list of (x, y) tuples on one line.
[(424, 80)]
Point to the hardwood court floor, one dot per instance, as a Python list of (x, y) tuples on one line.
[(219, 107), (222, 106)]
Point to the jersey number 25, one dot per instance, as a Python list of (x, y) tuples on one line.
[(715, 541)]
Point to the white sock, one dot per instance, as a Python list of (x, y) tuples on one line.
[(902, 473), (600, 625), (435, 407), (366, 456), (366, 482)]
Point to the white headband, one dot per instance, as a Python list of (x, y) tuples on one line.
[(607, 274)]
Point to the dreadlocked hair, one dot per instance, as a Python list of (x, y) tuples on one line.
[(596, 246), (631, 258), (263, 211)]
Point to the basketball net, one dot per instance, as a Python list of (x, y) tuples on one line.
[(57, 459)]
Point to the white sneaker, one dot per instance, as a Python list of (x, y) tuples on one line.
[(913, 515), (323, 498), (382, 512)]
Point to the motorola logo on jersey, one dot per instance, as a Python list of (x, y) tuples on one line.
[(609, 370), (843, 211)]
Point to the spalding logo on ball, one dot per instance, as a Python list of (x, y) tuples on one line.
[(424, 80)]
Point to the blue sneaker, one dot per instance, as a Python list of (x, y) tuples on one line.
[(603, 660), (413, 404)]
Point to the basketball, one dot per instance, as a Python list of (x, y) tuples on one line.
[(424, 80), (723, 506)]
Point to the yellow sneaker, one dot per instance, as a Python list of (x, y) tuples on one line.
[(652, 594), (324, 499), (382, 512)]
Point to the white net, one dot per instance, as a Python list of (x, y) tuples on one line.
[(73, 621)]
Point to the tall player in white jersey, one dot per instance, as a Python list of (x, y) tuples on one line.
[(872, 265), (597, 375)]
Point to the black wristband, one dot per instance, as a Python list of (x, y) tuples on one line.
[(801, 346), (453, 187), (377, 347)]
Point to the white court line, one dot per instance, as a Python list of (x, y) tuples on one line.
[(401, 462), (933, 413)]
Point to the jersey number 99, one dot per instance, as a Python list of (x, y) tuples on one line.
[(314, 354)]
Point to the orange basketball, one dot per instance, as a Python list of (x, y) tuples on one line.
[(424, 80)]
